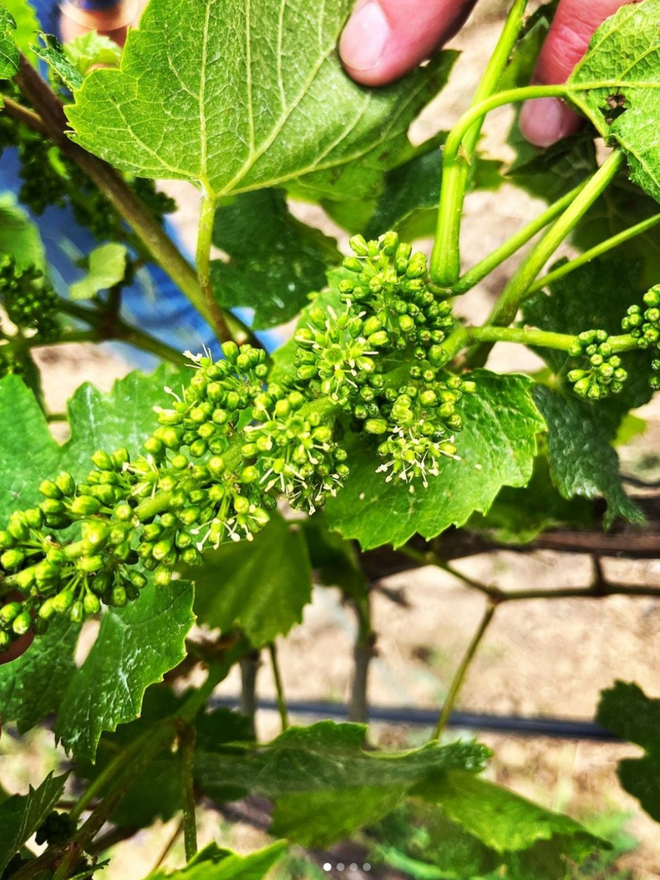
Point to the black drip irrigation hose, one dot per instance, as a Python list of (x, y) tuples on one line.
[(556, 728)]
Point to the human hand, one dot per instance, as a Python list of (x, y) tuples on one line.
[(109, 17), (384, 39)]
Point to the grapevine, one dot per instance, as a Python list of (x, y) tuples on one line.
[(378, 439), (232, 441)]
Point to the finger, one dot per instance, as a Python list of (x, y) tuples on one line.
[(384, 39), (545, 121), (109, 17)]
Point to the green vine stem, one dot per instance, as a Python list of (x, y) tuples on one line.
[(126, 773), (513, 244), (20, 344), (542, 338), (447, 254), (110, 772), (249, 665), (461, 672), (105, 328), (187, 741), (204, 242), (279, 687), (462, 337), (594, 252), (518, 288), (446, 258), (364, 651)]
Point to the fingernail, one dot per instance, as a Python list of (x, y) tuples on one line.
[(365, 37), (544, 121)]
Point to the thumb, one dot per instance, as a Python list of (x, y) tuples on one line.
[(547, 120), (384, 39), (109, 17)]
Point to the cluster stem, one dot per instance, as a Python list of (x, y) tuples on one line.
[(518, 289)]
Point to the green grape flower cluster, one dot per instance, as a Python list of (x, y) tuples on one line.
[(604, 374), (644, 326), (198, 483), (231, 442), (50, 178), (29, 301), (390, 312)]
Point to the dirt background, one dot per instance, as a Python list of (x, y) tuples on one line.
[(538, 658)]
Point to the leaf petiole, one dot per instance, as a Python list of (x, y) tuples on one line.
[(518, 288), (506, 250), (597, 251)]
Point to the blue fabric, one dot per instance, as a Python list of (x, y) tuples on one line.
[(153, 302)]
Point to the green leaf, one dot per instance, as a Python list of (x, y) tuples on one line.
[(8, 50), (518, 516), (629, 713), (136, 646), (122, 418), (216, 864), (409, 200), (552, 173), (419, 840), (260, 586), (27, 24), (90, 49), (275, 260), (622, 206), (182, 106), (107, 267), (28, 452), (52, 52), (157, 795), (323, 817), (334, 560), (325, 767), (582, 459), (617, 85), (19, 236), (32, 686), (497, 448), (518, 72), (501, 819), (581, 433), (21, 815), (410, 195)]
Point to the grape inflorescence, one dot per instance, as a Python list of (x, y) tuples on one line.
[(232, 442), (602, 374), (28, 299), (643, 324)]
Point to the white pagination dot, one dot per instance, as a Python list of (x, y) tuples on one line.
[(354, 867), (340, 866), (327, 866), (366, 866)]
